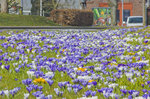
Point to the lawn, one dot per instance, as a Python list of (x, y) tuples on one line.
[(75, 64), (24, 20)]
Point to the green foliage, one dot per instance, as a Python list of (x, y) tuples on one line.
[(12, 3), (23, 20)]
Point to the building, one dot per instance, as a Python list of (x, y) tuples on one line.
[(70, 4), (26, 7), (131, 8)]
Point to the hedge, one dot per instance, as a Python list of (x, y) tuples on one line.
[(72, 17)]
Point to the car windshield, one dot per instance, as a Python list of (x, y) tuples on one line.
[(136, 20)]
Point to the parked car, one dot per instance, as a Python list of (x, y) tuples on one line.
[(134, 21)]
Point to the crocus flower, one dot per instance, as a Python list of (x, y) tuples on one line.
[(27, 81), (37, 93), (49, 96), (2, 93), (69, 89), (35, 87), (93, 93), (7, 67), (144, 90), (39, 80), (0, 78), (17, 70), (145, 96), (6, 92), (26, 95), (50, 82), (40, 87), (29, 89)]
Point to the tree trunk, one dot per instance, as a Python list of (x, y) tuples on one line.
[(113, 5), (4, 6)]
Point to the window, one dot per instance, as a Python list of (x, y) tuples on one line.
[(126, 14), (136, 20), (118, 16)]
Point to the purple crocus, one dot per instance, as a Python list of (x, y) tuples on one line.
[(0, 64), (37, 94), (40, 87), (2, 93), (60, 84), (49, 96), (17, 70), (146, 41), (145, 96), (130, 97), (93, 93), (94, 83), (123, 91), (130, 92), (27, 81), (7, 67), (144, 90), (29, 89), (50, 82), (88, 93), (0, 78), (35, 87), (100, 90)]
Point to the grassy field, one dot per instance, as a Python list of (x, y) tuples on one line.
[(24, 20), (72, 64)]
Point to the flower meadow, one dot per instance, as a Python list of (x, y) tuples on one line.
[(75, 64)]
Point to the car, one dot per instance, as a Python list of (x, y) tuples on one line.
[(134, 21)]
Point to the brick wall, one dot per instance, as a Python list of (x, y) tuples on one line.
[(95, 3), (137, 7)]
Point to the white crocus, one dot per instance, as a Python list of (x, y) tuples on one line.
[(113, 85), (123, 87), (49, 74), (97, 69), (2, 66), (129, 75), (89, 86), (94, 97), (140, 53), (26, 95), (30, 73), (28, 50), (6, 93), (33, 51), (85, 77)]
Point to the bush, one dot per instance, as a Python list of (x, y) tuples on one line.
[(73, 17)]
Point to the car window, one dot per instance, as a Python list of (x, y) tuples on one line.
[(136, 20)]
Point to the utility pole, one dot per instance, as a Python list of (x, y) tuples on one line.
[(122, 11), (40, 7)]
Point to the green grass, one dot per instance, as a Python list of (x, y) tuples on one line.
[(24, 20)]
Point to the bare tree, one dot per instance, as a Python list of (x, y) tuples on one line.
[(47, 6), (4, 6), (55, 3)]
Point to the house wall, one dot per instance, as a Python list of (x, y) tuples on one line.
[(70, 4)]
